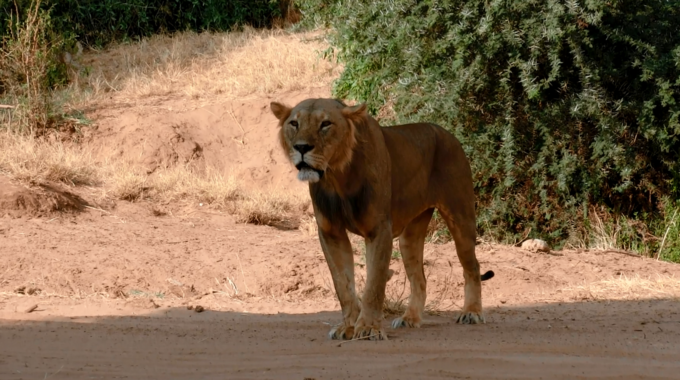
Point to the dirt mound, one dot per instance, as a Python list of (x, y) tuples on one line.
[(237, 137), (41, 200)]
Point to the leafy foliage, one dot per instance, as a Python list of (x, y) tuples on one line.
[(560, 105)]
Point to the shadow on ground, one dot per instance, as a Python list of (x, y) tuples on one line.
[(605, 340)]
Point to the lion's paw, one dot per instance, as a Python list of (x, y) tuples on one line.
[(470, 318), (369, 333), (405, 321), (341, 332)]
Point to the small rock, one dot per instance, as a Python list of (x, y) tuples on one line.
[(176, 290), (199, 309), (190, 307), (536, 245)]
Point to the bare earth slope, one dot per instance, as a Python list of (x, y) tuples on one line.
[(236, 137)]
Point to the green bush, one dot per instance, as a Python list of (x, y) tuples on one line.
[(562, 106), (97, 22)]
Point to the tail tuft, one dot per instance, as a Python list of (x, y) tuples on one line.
[(488, 275)]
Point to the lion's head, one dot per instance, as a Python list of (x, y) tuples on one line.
[(318, 135)]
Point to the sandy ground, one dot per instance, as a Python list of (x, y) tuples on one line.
[(111, 291)]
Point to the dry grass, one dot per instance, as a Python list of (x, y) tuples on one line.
[(130, 182), (608, 231), (25, 58), (210, 188), (396, 295), (34, 161), (629, 288), (439, 294), (270, 207), (604, 236), (308, 226), (226, 65)]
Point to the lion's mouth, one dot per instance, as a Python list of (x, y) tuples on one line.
[(308, 173)]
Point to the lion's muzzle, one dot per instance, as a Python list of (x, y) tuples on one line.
[(308, 173)]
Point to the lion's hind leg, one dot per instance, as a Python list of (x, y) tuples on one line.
[(411, 243), (463, 229)]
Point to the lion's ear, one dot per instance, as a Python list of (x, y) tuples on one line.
[(281, 111), (355, 112)]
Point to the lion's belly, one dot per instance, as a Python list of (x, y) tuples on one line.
[(412, 194), (403, 214)]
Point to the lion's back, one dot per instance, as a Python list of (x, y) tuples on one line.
[(416, 147), (426, 160)]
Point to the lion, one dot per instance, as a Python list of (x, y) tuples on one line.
[(381, 183)]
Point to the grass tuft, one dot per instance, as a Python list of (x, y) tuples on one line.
[(32, 160), (633, 287)]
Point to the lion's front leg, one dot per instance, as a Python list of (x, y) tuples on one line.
[(378, 252), (338, 252)]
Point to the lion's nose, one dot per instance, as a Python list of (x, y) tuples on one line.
[(303, 148)]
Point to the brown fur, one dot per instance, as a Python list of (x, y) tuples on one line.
[(381, 183)]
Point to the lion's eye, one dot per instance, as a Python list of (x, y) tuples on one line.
[(293, 123), (325, 124)]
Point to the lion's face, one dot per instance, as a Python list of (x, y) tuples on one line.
[(318, 135)]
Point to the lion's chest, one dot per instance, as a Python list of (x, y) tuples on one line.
[(351, 211)]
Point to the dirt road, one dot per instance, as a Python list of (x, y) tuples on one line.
[(617, 340), (112, 290)]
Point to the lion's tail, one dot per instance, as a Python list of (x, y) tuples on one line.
[(488, 275)]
